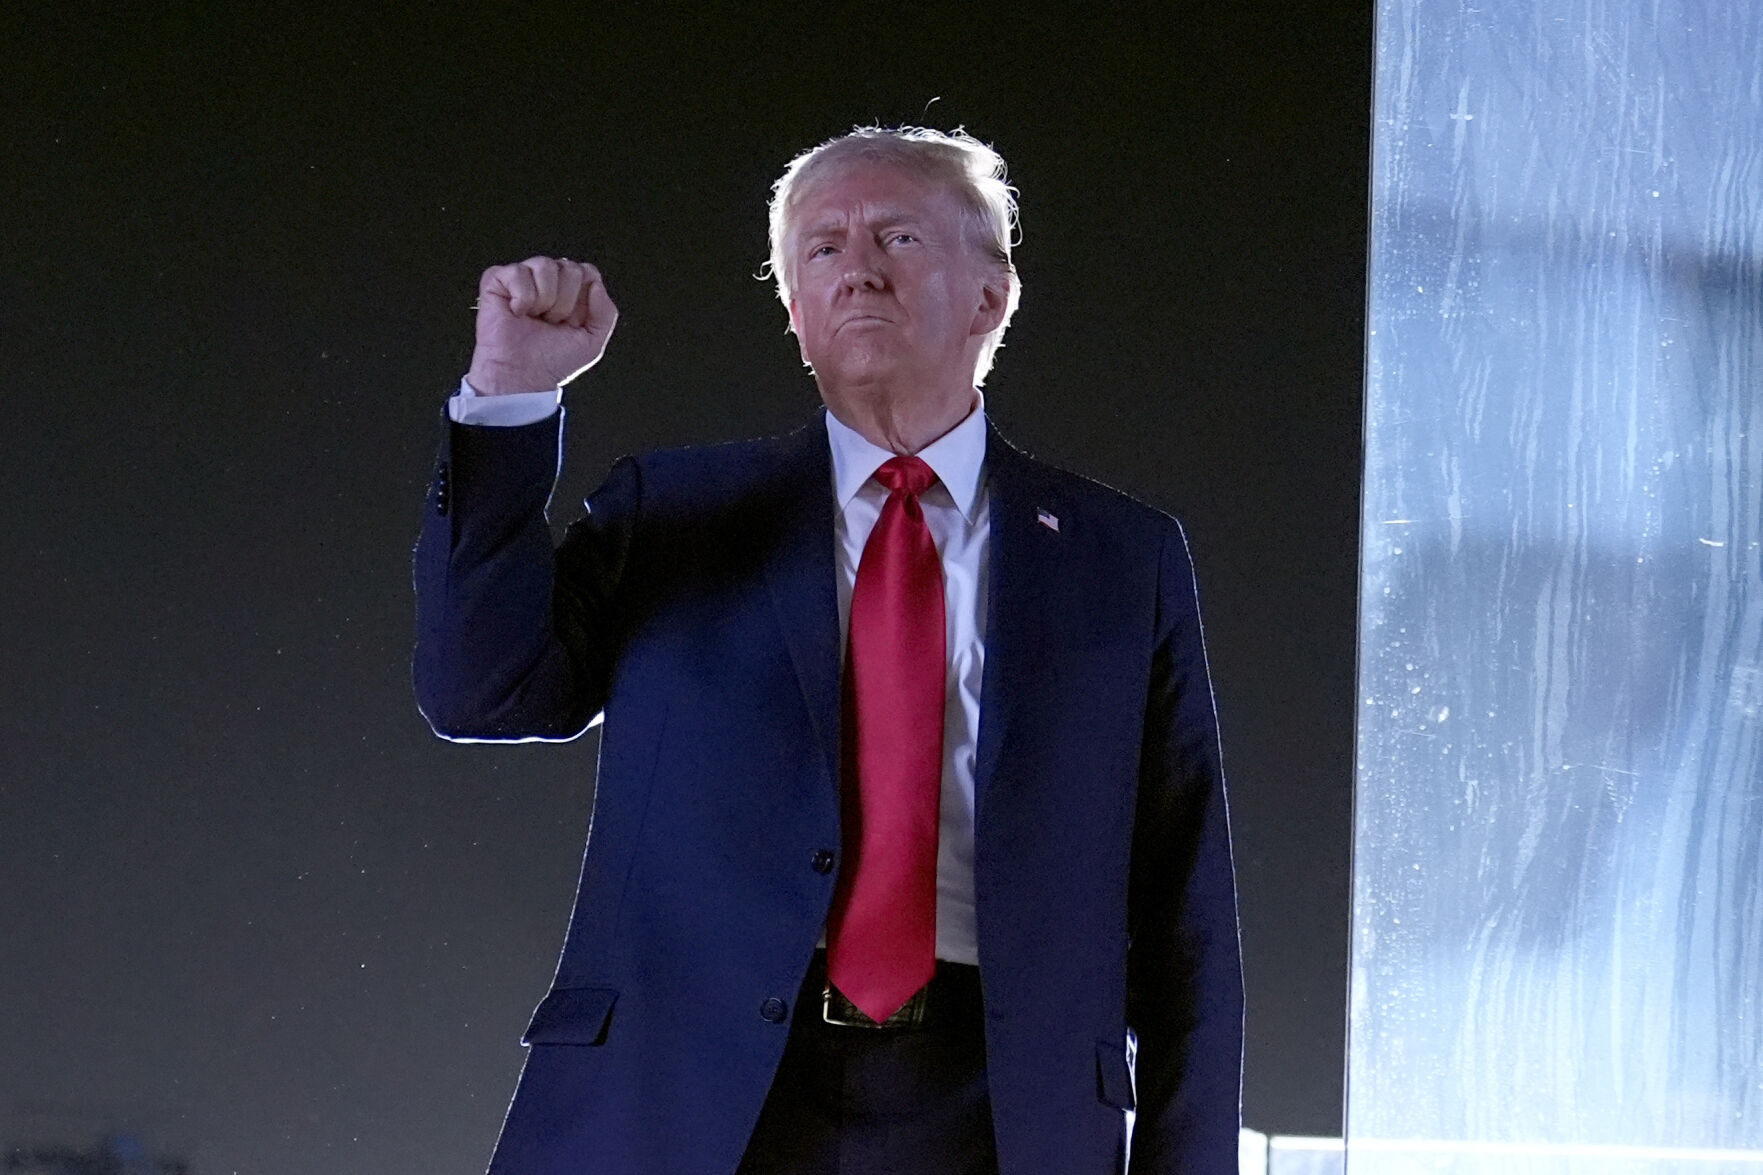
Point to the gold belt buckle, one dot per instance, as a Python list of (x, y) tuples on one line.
[(836, 1009)]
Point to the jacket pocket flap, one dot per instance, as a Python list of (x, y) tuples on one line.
[(572, 1015), (1113, 1075)]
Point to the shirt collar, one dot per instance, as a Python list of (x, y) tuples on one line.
[(957, 457)]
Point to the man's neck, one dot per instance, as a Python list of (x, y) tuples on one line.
[(901, 424)]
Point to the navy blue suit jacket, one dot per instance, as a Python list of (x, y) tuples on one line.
[(694, 605)]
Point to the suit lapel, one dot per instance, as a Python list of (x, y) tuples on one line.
[(1024, 555), (801, 575)]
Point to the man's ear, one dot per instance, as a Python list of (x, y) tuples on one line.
[(793, 331), (994, 297)]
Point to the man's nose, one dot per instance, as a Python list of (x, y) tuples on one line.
[(863, 267)]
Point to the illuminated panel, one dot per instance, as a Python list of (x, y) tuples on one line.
[(1558, 873)]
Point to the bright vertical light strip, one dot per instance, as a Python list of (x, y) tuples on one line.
[(1558, 862)]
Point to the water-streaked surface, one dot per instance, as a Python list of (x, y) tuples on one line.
[(1558, 894)]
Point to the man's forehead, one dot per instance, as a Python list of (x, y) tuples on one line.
[(828, 219), (875, 193)]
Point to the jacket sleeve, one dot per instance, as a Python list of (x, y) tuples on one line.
[(1185, 995), (515, 640)]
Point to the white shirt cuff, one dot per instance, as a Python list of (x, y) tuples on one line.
[(510, 411)]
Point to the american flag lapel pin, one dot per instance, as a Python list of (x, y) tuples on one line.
[(1047, 519)]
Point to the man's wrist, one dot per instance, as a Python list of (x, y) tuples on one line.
[(482, 382)]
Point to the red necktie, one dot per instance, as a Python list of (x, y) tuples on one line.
[(881, 937)]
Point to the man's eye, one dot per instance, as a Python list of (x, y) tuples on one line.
[(820, 250), (907, 237)]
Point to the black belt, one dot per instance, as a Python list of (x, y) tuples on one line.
[(951, 998)]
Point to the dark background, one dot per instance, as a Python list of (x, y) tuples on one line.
[(252, 908)]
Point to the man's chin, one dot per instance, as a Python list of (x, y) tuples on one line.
[(859, 368)]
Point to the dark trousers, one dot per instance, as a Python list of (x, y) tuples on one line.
[(868, 1101)]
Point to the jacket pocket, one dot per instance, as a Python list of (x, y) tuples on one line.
[(1113, 1075), (572, 1015)]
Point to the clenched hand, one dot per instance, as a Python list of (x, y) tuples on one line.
[(540, 323)]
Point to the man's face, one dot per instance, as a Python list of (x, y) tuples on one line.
[(887, 292)]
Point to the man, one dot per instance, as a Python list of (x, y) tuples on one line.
[(910, 835)]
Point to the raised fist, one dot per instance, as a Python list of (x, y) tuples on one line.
[(540, 323)]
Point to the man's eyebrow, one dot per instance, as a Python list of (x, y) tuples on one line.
[(887, 218), (895, 218)]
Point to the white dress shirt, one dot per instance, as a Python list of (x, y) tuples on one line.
[(957, 511)]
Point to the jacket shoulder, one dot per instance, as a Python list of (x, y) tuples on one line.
[(1081, 493), (729, 469)]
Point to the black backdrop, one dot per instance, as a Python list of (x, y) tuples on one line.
[(251, 907)]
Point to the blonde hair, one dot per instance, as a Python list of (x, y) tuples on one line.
[(969, 168)]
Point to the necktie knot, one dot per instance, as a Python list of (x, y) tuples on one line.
[(906, 475)]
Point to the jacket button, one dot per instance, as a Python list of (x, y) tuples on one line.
[(823, 861), (773, 1010)]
